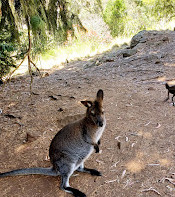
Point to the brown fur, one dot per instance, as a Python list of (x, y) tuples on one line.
[(72, 145), (171, 90)]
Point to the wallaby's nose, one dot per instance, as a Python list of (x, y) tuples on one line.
[(100, 124)]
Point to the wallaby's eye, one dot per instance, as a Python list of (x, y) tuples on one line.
[(93, 112)]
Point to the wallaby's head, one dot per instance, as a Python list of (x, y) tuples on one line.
[(95, 110), (167, 86)]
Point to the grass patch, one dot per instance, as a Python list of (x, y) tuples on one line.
[(84, 45)]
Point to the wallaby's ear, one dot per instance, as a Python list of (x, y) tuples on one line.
[(87, 103), (100, 95)]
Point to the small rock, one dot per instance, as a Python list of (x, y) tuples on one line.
[(138, 38), (60, 109), (45, 74), (90, 64), (128, 52), (157, 62), (52, 97), (72, 97), (12, 116), (150, 88), (29, 138), (165, 39)]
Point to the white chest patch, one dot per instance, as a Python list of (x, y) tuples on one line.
[(100, 131)]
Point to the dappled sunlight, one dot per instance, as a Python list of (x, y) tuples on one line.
[(77, 50), (50, 63), (172, 82), (161, 79), (146, 135), (169, 63), (135, 166), (20, 148), (143, 160), (165, 162), (121, 40), (41, 64)]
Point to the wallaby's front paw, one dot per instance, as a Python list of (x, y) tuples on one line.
[(96, 147), (95, 172), (80, 194), (99, 142), (75, 192)]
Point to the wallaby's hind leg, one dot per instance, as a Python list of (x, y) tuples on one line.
[(172, 99), (66, 170), (99, 142), (65, 186), (168, 96), (88, 170)]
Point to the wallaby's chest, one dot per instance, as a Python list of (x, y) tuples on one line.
[(100, 131)]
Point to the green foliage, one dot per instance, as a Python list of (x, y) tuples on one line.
[(7, 20), (48, 19), (115, 16), (127, 17), (158, 8), (137, 17), (164, 9), (37, 23), (54, 23), (6, 61), (39, 34), (10, 51)]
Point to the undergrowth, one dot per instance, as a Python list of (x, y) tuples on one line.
[(138, 15)]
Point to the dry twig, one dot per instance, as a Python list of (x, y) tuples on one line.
[(115, 164), (151, 189), (170, 180), (111, 181), (128, 183), (123, 174)]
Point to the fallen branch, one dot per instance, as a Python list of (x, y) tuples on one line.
[(29, 60), (17, 67), (151, 189), (170, 180), (36, 67), (111, 181)]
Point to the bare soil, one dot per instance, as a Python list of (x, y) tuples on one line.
[(137, 151)]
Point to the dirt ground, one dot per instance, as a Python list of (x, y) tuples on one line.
[(138, 120)]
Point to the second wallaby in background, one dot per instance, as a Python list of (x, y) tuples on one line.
[(72, 145), (171, 89)]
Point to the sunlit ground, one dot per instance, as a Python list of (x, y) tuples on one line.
[(86, 45), (75, 51)]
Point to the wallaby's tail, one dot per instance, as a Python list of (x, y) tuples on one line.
[(27, 171), (167, 86)]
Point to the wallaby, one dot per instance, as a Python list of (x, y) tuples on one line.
[(72, 145), (171, 89)]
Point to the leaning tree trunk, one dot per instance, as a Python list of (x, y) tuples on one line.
[(28, 53)]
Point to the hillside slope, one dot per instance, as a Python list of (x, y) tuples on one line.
[(138, 120)]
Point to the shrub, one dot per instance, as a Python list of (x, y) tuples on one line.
[(164, 9), (6, 61), (115, 16)]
